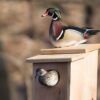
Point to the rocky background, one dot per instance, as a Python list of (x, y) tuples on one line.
[(23, 33)]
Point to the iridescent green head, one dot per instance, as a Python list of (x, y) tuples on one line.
[(53, 12)]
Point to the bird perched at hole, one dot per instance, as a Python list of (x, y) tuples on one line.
[(48, 78), (62, 36)]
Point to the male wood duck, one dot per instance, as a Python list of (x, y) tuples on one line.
[(62, 36), (48, 78)]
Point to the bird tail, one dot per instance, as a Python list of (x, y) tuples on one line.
[(92, 31)]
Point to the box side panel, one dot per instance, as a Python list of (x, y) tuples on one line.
[(90, 76), (61, 90), (76, 81), (83, 83)]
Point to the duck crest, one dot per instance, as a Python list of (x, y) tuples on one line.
[(55, 29)]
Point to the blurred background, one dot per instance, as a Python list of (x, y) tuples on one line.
[(23, 33)]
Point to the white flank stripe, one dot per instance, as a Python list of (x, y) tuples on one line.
[(59, 35)]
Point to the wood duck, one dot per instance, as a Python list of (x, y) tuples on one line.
[(48, 78), (61, 35)]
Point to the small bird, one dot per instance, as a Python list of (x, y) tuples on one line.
[(61, 35), (48, 78)]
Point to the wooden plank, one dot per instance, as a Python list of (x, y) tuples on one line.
[(55, 58), (90, 76), (83, 48), (58, 92), (83, 82), (76, 80)]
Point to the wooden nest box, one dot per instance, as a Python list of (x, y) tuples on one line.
[(77, 69)]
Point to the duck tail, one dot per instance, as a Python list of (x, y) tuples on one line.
[(92, 31)]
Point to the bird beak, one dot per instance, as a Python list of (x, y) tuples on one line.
[(45, 14)]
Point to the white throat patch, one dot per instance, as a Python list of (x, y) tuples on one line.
[(55, 18)]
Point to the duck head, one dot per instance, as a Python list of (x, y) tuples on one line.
[(40, 72), (53, 12)]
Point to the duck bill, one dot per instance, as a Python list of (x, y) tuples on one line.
[(45, 14)]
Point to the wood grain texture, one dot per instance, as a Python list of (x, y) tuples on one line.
[(83, 48), (56, 58), (90, 76), (76, 80), (58, 92), (83, 80), (78, 74)]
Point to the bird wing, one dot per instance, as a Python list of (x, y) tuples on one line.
[(82, 30), (69, 37), (87, 27), (86, 31), (71, 34), (90, 31)]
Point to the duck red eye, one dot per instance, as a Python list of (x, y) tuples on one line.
[(49, 13)]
